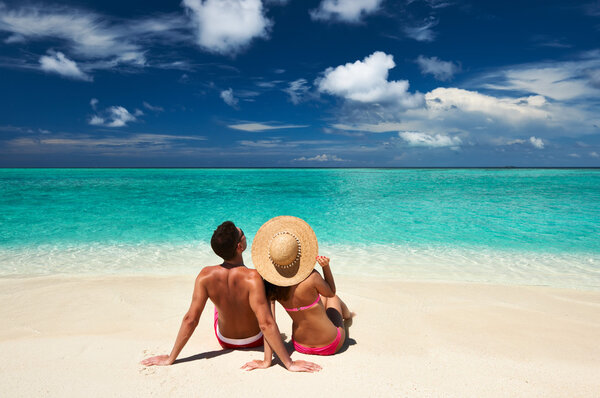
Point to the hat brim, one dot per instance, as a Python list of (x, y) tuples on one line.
[(309, 250)]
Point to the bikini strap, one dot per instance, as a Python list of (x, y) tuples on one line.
[(304, 308)]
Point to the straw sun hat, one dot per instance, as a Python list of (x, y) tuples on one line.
[(284, 250)]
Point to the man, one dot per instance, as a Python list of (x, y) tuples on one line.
[(242, 314)]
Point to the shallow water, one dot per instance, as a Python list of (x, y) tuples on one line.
[(526, 226)]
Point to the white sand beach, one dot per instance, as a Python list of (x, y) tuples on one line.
[(64, 336)]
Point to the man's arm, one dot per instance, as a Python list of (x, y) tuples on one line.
[(268, 358), (188, 325), (260, 306)]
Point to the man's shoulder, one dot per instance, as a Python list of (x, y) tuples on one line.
[(246, 273), (242, 272), (209, 272)]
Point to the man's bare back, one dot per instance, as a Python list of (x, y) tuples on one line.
[(228, 287)]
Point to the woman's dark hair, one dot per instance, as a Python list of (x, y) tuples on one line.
[(274, 292), (225, 239)]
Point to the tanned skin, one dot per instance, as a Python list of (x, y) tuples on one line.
[(239, 295), (317, 326)]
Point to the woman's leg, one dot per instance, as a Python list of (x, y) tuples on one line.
[(334, 307)]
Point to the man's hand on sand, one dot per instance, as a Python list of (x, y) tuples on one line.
[(256, 364), (160, 360), (296, 366)]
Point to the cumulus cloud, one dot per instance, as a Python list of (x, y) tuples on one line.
[(96, 120), (297, 90), (453, 116), (257, 127), (416, 138), (227, 26), (320, 158), (345, 10), (441, 70), (509, 109), (228, 97), (114, 116), (366, 81), (56, 62), (422, 32), (536, 142), (119, 116), (94, 103)]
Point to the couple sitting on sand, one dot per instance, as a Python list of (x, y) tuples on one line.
[(284, 253)]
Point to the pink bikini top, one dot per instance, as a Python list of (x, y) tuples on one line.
[(304, 308)]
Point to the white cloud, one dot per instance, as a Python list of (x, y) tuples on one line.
[(594, 77), (422, 32), (513, 110), (561, 81), (93, 40), (574, 155), (296, 90), (227, 96), (88, 34), (119, 116), (441, 70), (56, 62), (437, 3), (153, 108), (594, 154), (483, 117), (536, 142), (94, 103), (227, 26), (383, 127), (67, 143), (415, 138), (366, 81), (345, 10), (275, 143), (257, 127), (320, 158), (96, 120), (114, 116)]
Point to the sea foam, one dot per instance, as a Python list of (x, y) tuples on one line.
[(377, 261)]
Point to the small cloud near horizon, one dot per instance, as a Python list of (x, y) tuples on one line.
[(258, 127)]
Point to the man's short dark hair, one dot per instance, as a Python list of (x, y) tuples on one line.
[(225, 239)]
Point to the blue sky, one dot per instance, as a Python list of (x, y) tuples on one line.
[(300, 83)]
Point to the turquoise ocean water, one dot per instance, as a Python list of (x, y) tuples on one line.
[(523, 226)]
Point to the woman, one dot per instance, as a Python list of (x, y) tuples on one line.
[(284, 252)]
